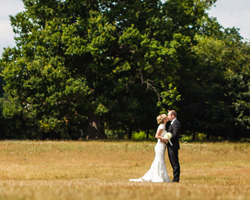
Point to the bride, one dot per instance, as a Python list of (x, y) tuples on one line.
[(157, 171)]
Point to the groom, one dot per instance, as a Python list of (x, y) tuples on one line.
[(175, 129)]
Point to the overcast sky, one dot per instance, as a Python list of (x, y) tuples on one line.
[(229, 13)]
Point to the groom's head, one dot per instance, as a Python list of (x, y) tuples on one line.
[(172, 114)]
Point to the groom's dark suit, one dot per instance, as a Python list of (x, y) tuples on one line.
[(175, 129)]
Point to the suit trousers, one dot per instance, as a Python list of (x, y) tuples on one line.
[(174, 160)]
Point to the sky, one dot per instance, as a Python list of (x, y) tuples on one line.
[(229, 13)]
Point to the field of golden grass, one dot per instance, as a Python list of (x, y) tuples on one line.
[(39, 170)]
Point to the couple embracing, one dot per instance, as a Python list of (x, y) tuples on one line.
[(158, 171)]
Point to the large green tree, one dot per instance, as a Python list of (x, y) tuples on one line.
[(86, 61), (216, 97), (208, 104), (237, 75)]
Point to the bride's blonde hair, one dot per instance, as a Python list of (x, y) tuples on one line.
[(161, 118)]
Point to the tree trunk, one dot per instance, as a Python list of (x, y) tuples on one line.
[(95, 127), (230, 136), (129, 133), (147, 131), (193, 136), (208, 136)]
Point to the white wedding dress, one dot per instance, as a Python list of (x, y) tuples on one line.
[(157, 171)]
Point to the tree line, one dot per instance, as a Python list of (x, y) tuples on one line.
[(81, 67)]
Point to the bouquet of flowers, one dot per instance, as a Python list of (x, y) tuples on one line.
[(168, 136)]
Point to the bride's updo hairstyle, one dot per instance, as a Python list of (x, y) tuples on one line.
[(161, 119)]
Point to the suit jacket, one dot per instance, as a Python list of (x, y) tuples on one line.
[(175, 129)]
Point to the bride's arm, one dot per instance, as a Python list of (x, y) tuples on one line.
[(158, 134)]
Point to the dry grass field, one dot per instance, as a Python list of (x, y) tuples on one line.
[(39, 170)]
